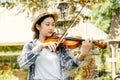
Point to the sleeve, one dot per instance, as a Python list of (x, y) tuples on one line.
[(71, 61), (78, 62), (28, 55)]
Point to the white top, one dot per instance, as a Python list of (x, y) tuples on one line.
[(47, 66)]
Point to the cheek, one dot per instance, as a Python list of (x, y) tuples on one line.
[(43, 31)]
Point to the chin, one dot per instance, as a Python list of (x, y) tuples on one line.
[(49, 35)]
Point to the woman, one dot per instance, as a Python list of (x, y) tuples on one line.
[(48, 61)]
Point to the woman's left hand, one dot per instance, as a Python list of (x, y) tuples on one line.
[(85, 49)]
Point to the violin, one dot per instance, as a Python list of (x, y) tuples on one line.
[(74, 42)]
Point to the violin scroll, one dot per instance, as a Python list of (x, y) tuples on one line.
[(100, 44)]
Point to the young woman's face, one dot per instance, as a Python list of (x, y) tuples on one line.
[(47, 27)]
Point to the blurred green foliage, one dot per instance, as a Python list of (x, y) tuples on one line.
[(7, 75), (11, 48), (102, 13)]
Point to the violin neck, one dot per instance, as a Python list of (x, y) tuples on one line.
[(77, 39), (98, 43), (74, 39)]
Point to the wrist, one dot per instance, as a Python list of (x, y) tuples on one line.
[(81, 57)]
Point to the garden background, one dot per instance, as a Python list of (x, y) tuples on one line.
[(100, 19)]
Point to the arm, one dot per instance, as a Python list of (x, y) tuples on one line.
[(28, 56), (78, 59), (73, 61), (30, 52)]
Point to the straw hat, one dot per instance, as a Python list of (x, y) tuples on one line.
[(43, 12)]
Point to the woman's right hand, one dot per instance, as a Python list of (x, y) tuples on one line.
[(50, 45)]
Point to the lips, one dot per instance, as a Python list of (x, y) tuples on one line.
[(50, 32)]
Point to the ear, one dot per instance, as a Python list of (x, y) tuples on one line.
[(37, 27)]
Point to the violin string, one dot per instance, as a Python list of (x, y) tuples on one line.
[(72, 23)]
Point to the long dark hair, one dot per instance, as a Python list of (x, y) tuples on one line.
[(36, 31)]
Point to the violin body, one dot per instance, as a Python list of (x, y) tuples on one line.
[(70, 44)]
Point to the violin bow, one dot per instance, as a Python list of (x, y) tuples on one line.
[(74, 20)]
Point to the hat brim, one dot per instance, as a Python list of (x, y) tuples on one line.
[(55, 15)]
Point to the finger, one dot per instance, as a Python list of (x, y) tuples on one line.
[(49, 47), (52, 46), (56, 44), (91, 40), (83, 42), (88, 41)]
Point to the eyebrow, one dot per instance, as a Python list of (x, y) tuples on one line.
[(48, 22)]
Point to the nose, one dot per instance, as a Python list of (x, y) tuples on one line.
[(51, 27)]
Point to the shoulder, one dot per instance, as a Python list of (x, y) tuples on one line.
[(31, 43)]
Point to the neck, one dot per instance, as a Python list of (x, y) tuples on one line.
[(41, 38)]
